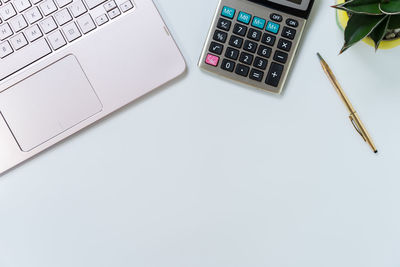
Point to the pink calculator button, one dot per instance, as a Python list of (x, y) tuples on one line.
[(212, 60)]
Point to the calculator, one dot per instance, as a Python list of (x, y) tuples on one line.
[(255, 41)]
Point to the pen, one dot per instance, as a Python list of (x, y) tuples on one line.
[(354, 118)]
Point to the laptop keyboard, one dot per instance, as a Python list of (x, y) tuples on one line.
[(33, 29)]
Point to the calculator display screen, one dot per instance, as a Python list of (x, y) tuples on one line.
[(297, 4)]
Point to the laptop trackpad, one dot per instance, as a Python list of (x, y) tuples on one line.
[(48, 103)]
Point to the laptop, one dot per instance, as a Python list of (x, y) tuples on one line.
[(65, 64)]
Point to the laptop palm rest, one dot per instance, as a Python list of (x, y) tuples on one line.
[(48, 103)]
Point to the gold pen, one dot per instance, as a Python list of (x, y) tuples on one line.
[(354, 118)]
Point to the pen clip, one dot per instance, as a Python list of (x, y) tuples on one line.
[(357, 127)]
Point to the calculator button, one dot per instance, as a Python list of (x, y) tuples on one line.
[(254, 34), (256, 75), (246, 58), (280, 57), (258, 23), (276, 17), (232, 53), (274, 74), (244, 18), (228, 65), (216, 48), (224, 24), (236, 41), (284, 44), (220, 36), (264, 51), (292, 23), (268, 39), (250, 46), (242, 70), (228, 12), (273, 27), (260, 63), (212, 60), (240, 29), (289, 33)]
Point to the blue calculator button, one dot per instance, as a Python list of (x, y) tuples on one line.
[(228, 12), (244, 17), (273, 27), (258, 23)]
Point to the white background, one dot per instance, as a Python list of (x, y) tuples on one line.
[(206, 172)]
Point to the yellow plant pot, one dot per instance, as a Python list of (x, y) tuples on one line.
[(343, 18)]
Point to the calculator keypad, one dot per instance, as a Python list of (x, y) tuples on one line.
[(251, 48)]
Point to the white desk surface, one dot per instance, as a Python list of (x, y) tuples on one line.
[(205, 172)]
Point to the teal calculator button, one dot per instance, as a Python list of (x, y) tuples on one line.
[(258, 22), (273, 27), (244, 17), (228, 12)]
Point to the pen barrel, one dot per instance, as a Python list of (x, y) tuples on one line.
[(357, 123)]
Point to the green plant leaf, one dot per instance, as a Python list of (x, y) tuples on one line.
[(391, 7), (370, 7), (359, 27), (379, 32), (394, 22)]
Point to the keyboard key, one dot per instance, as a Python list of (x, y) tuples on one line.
[(276, 17), (94, 3), (7, 11), (33, 33), (240, 29), (125, 6), (224, 24), (110, 5), (274, 74), (216, 48), (289, 33), (18, 41), (48, 7), (5, 31), (258, 23), (63, 3), (273, 27), (236, 41), (56, 40), (246, 58), (232, 53), (33, 15), (100, 20), (22, 5), (220, 36), (228, 65), (268, 39), (250, 46), (77, 8), (212, 60), (228, 12), (256, 75), (280, 57), (18, 23), (5, 49), (260, 63), (86, 23), (63, 17), (254, 34), (264, 51), (48, 25), (71, 32), (244, 18), (284, 45), (114, 13), (242, 70), (25, 56), (292, 23)]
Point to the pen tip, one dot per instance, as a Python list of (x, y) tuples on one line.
[(376, 151)]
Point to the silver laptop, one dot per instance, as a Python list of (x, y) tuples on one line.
[(65, 64)]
